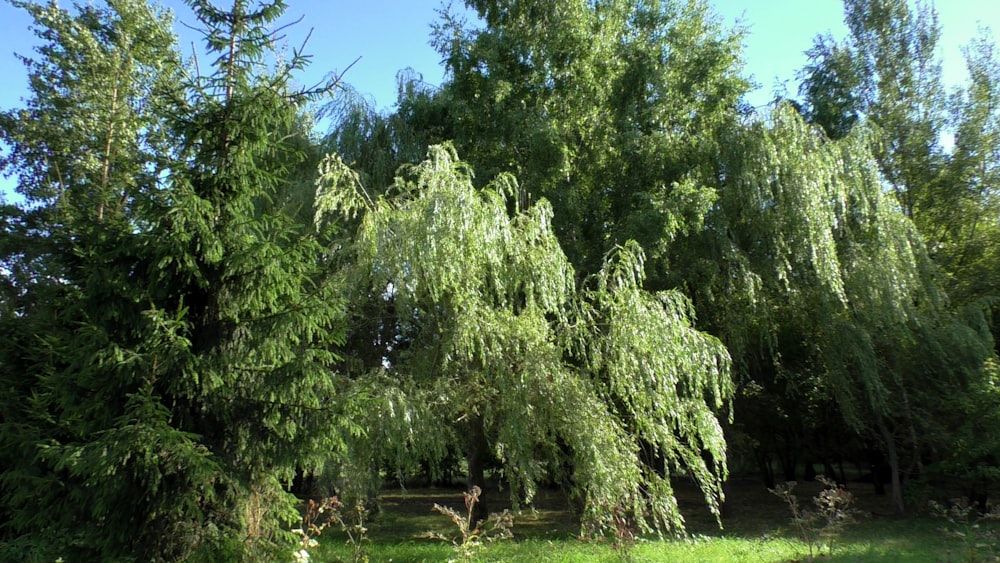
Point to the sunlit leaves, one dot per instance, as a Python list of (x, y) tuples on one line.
[(961, 216), (190, 313), (808, 216), (886, 78), (666, 379), (499, 335), (887, 72), (602, 108), (85, 140)]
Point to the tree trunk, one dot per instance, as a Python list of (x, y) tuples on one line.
[(788, 464), (831, 472), (809, 470), (726, 508), (897, 486), (476, 455), (766, 471), (916, 468)]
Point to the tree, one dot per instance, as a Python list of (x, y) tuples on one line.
[(496, 352), (376, 144), (831, 85), (602, 108), (889, 73), (961, 224), (962, 217), (87, 145), (823, 291), (186, 367)]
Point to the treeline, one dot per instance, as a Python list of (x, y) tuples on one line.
[(583, 262)]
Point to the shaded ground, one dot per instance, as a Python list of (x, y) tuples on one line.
[(752, 511), (758, 528)]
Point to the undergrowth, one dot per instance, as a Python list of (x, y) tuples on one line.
[(472, 533), (823, 525)]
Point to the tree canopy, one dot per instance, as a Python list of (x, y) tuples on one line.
[(582, 262), (512, 356), (171, 324)]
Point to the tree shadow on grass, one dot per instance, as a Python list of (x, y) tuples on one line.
[(757, 527)]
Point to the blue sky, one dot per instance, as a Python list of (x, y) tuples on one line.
[(390, 35)]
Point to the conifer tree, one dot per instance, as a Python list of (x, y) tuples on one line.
[(89, 146), (184, 370)]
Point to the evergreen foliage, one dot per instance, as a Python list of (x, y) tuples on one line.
[(172, 356)]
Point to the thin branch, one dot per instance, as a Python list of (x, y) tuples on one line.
[(200, 30), (319, 88), (194, 55), (288, 25)]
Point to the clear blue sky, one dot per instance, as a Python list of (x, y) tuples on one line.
[(390, 35)]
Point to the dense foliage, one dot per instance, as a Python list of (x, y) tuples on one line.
[(170, 321), (500, 349), (887, 75), (582, 262)]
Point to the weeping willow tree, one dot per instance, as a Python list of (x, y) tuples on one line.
[(494, 351), (822, 289), (601, 107)]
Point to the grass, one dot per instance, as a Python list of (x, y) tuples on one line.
[(758, 528)]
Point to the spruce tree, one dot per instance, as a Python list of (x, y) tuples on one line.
[(184, 370)]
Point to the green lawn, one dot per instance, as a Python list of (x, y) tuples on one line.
[(757, 529)]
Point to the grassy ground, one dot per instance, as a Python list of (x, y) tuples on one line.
[(758, 528)]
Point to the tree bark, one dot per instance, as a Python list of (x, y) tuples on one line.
[(766, 471), (890, 447), (477, 454)]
